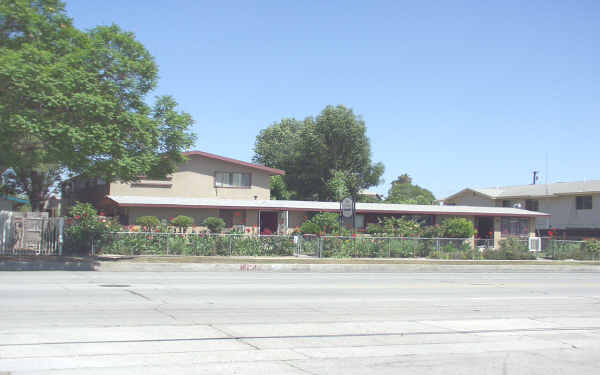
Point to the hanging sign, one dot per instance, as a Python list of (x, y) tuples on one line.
[(347, 207)]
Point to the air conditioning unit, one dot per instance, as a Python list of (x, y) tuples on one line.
[(535, 244)]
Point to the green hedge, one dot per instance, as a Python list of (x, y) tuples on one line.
[(191, 244)]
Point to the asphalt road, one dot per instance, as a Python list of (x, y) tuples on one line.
[(299, 323)]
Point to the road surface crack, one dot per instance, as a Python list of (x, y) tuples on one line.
[(231, 336), (138, 294), (299, 368)]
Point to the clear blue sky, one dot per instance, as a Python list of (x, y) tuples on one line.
[(454, 93)]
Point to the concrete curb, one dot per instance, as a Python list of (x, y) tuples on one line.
[(279, 267), (123, 266)]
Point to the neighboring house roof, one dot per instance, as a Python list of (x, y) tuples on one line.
[(276, 205), (538, 190), (368, 193), (271, 171), (14, 199)]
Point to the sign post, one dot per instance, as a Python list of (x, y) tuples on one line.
[(348, 209)]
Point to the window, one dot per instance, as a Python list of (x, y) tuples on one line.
[(583, 202), (232, 179), (514, 226), (532, 205), (507, 203), (360, 221)]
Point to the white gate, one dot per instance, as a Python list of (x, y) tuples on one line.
[(28, 233)]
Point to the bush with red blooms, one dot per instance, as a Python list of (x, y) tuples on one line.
[(84, 225)]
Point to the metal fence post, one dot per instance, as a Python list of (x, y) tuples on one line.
[(229, 245), (320, 246), (168, 243), (389, 247)]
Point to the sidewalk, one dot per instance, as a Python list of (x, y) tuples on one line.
[(284, 264)]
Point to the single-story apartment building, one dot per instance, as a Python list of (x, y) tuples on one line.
[(239, 193), (574, 207)]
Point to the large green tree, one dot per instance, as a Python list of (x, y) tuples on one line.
[(403, 191), (323, 157), (73, 102)]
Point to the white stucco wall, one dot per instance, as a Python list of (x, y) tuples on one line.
[(565, 214)]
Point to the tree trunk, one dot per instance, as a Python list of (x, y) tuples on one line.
[(37, 191)]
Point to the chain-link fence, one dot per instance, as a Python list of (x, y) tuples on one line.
[(151, 243), (196, 244), (565, 249)]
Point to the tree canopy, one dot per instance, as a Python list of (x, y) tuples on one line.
[(323, 157), (403, 191), (73, 102)]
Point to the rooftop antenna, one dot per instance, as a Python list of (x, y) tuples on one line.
[(535, 176)]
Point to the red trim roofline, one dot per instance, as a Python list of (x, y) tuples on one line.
[(308, 209), (271, 171)]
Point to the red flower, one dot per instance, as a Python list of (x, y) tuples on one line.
[(237, 213), (353, 234), (101, 213), (171, 218), (77, 217), (550, 233), (248, 230)]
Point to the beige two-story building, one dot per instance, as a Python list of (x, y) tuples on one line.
[(204, 175), (574, 207)]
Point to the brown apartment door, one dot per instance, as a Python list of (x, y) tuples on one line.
[(268, 220)]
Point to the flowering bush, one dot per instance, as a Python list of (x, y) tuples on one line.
[(84, 225)]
